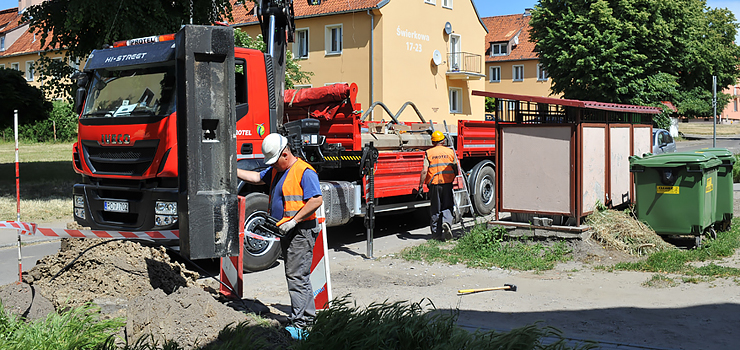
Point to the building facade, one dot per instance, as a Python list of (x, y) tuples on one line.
[(512, 62), (424, 51)]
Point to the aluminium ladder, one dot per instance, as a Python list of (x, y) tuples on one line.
[(460, 202)]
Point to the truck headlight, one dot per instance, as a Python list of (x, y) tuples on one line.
[(165, 220), (79, 201), (165, 208), (80, 213)]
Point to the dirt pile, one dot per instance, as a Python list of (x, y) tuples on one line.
[(156, 296)]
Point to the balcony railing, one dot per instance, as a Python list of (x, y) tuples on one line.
[(464, 62)]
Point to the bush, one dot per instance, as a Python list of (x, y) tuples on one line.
[(62, 122), (736, 169)]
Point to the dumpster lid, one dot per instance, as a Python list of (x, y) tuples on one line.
[(672, 160), (722, 153)]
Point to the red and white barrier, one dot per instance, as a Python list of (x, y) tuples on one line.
[(232, 272), (31, 229), (320, 277)]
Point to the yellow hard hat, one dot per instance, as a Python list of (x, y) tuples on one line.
[(437, 136)]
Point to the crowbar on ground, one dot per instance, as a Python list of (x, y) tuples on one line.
[(509, 287)]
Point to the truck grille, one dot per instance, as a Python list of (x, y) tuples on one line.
[(114, 160)]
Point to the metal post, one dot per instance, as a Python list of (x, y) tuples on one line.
[(18, 197), (714, 115), (369, 157)]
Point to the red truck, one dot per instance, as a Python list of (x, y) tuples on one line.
[(127, 145)]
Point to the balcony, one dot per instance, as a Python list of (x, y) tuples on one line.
[(464, 66)]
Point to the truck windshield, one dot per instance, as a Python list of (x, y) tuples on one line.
[(127, 93)]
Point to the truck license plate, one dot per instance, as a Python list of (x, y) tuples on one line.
[(118, 207)]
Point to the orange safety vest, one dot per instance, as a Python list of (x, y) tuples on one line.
[(292, 190), (442, 167)]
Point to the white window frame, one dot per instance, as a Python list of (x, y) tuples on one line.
[(328, 41), (500, 45), (542, 73), (431, 2), (514, 75), (2, 43), (447, 4), (297, 44), (455, 100), (29, 71), (16, 66), (455, 49), (490, 74)]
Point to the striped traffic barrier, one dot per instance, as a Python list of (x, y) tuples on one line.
[(231, 272), (320, 277)]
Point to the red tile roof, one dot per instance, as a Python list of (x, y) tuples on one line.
[(244, 14), (9, 19), (26, 43), (504, 28)]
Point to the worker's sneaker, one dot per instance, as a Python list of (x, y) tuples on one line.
[(446, 231), (297, 333)]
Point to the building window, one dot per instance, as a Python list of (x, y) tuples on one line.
[(334, 39), (455, 100), (447, 4), (302, 86), (15, 66), (518, 73), (29, 70), (338, 82), (494, 74), (300, 47), (499, 49), (455, 54), (2, 66), (431, 2), (541, 73), (735, 101), (2, 43)]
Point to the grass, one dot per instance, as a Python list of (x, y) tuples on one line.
[(486, 248), (46, 180), (411, 326), (660, 281), (706, 128), (679, 261), (77, 328)]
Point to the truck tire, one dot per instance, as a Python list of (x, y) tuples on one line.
[(258, 254), (484, 198)]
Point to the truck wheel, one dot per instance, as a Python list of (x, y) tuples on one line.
[(484, 198), (258, 254)]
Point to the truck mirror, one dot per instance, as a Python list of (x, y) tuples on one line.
[(79, 99)]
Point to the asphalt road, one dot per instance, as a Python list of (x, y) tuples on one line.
[(693, 145), (31, 254)]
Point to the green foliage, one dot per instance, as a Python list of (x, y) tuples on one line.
[(736, 169), (485, 248), (293, 73), (637, 51), (16, 94), (678, 261), (81, 26), (61, 122), (78, 328), (409, 326), (490, 104)]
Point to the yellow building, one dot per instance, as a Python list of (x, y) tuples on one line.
[(388, 48), (512, 63)]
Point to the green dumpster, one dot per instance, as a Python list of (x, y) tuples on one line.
[(675, 193), (725, 204)]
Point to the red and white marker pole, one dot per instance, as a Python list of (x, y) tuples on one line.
[(18, 197)]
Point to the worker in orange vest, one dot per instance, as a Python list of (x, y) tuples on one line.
[(440, 169), (295, 194)]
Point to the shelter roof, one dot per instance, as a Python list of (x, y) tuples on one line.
[(612, 107)]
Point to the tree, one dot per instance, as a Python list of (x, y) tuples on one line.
[(16, 94), (293, 73), (637, 51), (80, 26)]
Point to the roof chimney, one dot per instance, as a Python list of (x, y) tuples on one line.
[(527, 11)]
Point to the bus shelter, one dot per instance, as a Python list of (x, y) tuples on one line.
[(558, 158)]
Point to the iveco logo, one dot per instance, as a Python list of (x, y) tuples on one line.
[(113, 139)]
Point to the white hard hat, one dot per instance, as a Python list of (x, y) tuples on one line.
[(272, 146)]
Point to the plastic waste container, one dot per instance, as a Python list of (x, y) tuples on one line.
[(675, 193), (724, 187)]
